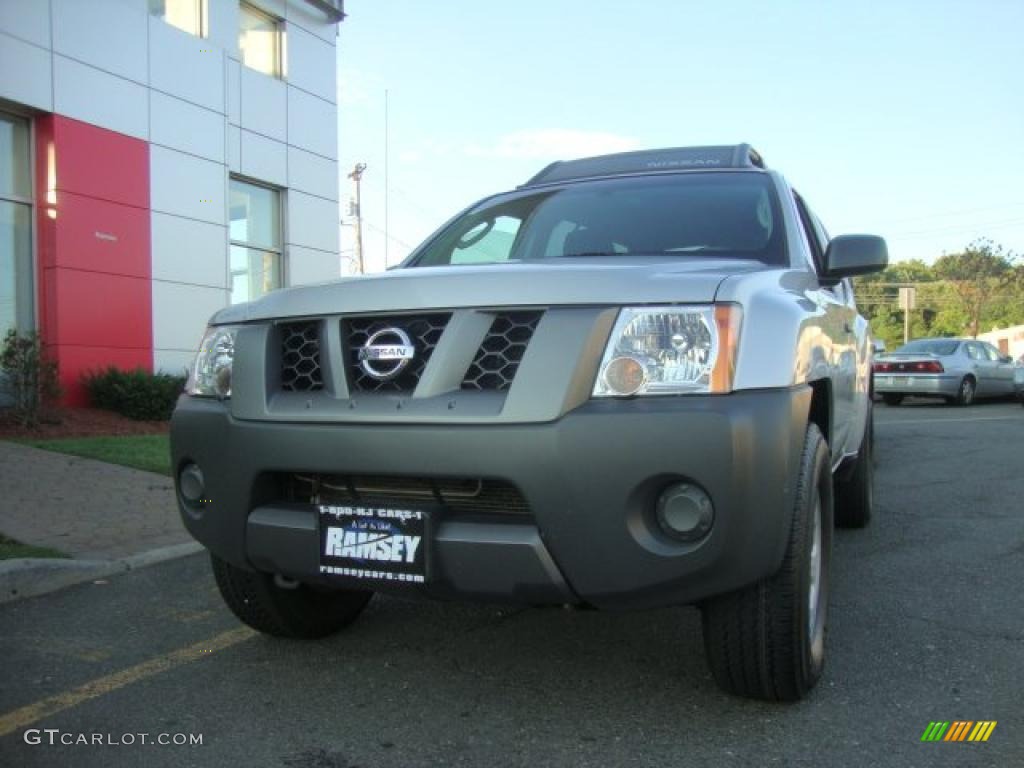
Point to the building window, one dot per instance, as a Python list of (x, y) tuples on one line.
[(187, 15), (16, 306), (260, 41), (255, 240)]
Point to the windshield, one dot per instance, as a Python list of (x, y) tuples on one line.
[(929, 347), (733, 215)]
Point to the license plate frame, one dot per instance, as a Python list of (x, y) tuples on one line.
[(374, 543)]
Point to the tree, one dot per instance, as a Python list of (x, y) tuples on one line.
[(975, 274)]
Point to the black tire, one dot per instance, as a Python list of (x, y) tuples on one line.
[(855, 495), (298, 612), (760, 641), (968, 389), (891, 398)]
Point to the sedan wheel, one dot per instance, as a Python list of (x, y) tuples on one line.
[(965, 396)]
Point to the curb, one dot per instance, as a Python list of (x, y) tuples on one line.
[(31, 577)]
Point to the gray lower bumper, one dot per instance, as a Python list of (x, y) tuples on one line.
[(590, 479)]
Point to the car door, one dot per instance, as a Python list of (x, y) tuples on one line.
[(1001, 370), (977, 364)]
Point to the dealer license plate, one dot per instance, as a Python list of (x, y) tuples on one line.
[(374, 543)]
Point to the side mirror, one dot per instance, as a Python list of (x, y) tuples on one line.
[(850, 255)]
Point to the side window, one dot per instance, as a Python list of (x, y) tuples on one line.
[(817, 239), (974, 352), (993, 353), (819, 230), (487, 242), (817, 249)]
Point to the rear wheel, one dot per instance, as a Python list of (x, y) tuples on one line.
[(767, 641), (891, 398), (855, 496), (965, 395), (298, 610)]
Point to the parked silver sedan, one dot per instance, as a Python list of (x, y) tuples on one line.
[(958, 370)]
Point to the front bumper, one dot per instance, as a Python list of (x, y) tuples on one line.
[(590, 479), (934, 385)]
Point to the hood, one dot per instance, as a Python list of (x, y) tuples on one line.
[(597, 281)]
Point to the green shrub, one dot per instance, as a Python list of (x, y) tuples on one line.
[(136, 394), (30, 377)]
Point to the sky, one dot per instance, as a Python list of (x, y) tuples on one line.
[(899, 118)]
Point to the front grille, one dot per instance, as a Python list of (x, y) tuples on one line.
[(497, 360), (300, 357), (460, 495), (424, 332)]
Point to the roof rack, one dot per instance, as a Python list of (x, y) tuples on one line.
[(650, 161)]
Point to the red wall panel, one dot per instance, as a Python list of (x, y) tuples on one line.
[(96, 309), (95, 264), (100, 163), (100, 236)]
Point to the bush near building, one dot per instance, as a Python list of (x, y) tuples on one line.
[(136, 394)]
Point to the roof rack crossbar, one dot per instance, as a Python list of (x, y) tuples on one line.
[(648, 161)]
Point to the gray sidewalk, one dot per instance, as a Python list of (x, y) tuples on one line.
[(105, 516)]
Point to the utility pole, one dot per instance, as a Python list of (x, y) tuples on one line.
[(908, 301), (355, 209)]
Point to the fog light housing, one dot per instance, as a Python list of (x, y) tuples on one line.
[(685, 512), (192, 483)]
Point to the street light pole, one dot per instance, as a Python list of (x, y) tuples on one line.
[(357, 177)]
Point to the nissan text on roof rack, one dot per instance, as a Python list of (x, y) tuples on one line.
[(636, 381)]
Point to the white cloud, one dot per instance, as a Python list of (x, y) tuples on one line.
[(554, 144)]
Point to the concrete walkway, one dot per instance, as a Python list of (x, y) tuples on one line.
[(103, 515)]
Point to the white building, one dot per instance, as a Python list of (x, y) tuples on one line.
[(160, 159), (1009, 341)]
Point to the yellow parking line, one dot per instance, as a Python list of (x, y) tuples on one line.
[(20, 718)]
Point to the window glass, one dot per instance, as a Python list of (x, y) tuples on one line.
[(255, 229), (487, 242), (255, 216), (929, 347), (253, 273), (15, 266), (15, 172), (733, 215), (259, 41), (992, 352), (974, 352), (187, 15)]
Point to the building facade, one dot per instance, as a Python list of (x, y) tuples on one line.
[(160, 159)]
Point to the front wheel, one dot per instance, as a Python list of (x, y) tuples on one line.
[(297, 611), (767, 641)]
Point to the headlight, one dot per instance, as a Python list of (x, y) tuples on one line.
[(211, 373), (670, 351)]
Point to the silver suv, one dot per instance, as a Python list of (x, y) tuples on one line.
[(636, 381)]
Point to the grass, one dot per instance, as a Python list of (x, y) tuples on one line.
[(11, 549), (149, 452)]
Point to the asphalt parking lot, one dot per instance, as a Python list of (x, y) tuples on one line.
[(927, 623)]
